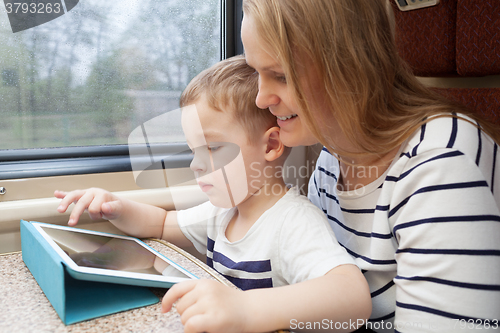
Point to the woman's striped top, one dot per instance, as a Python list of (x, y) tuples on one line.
[(426, 233)]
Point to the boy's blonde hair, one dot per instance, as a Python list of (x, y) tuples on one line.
[(231, 86), (367, 88)]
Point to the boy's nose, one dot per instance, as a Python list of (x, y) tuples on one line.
[(197, 166), (201, 161)]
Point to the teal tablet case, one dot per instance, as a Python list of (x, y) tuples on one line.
[(76, 300)]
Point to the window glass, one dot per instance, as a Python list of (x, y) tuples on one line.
[(92, 75)]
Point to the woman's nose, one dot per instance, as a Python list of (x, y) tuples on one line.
[(266, 97)]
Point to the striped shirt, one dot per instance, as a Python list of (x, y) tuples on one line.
[(426, 233), (291, 242)]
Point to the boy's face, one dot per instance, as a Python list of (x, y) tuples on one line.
[(226, 166)]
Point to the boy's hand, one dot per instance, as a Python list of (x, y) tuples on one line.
[(208, 306), (98, 202)]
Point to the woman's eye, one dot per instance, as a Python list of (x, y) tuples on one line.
[(213, 149), (280, 78)]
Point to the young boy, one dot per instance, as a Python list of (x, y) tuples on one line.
[(254, 230)]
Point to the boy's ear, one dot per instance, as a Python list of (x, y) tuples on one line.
[(274, 146)]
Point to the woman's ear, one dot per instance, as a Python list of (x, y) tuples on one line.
[(274, 146)]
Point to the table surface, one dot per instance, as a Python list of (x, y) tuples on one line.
[(24, 307)]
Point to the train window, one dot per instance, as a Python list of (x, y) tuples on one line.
[(78, 84), (76, 79)]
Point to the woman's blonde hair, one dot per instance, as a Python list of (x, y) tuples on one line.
[(368, 90), (231, 86)]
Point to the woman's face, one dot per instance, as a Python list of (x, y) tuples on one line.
[(274, 93)]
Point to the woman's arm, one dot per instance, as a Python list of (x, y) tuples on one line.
[(447, 224)]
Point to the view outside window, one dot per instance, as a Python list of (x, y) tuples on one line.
[(92, 75)]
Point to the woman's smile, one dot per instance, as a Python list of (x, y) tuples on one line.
[(283, 121)]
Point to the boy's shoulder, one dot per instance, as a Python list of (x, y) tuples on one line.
[(294, 202)]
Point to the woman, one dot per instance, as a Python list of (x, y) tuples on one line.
[(413, 195)]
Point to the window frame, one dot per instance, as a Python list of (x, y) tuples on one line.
[(63, 161)]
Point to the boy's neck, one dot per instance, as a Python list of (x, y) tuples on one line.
[(250, 210)]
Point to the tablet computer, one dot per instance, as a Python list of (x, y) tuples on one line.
[(103, 257)]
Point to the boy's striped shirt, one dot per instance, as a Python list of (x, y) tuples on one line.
[(289, 243)]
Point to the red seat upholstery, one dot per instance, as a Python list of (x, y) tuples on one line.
[(485, 101), (478, 37), (426, 38), (456, 38)]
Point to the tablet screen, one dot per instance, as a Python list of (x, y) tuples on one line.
[(97, 251)]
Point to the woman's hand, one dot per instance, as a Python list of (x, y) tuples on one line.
[(97, 202), (208, 306)]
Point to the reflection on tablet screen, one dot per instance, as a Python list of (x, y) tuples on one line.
[(111, 253)]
